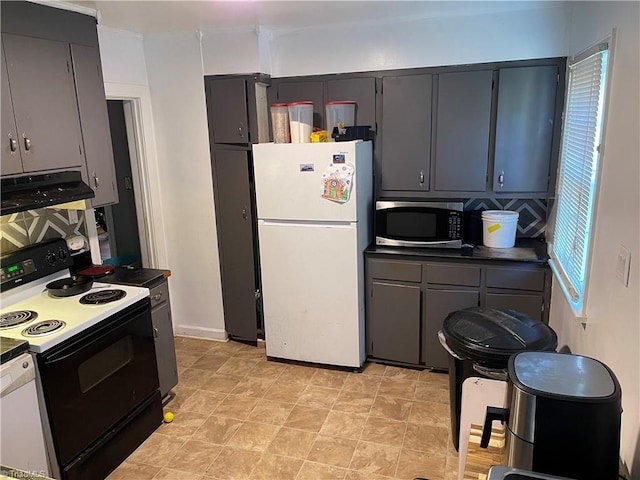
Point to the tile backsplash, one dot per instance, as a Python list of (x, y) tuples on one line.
[(34, 226), (532, 222)]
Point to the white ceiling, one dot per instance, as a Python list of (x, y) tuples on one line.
[(187, 15)]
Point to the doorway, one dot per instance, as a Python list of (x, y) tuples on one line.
[(117, 225)]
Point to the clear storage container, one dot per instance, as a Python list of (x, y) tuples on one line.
[(280, 123), (340, 114), (301, 121)]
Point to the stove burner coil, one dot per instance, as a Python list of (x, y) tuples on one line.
[(11, 319), (45, 327), (102, 296)]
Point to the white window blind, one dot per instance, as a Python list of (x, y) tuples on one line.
[(577, 176)]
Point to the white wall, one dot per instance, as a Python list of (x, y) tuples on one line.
[(175, 72), (422, 43), (612, 333), (122, 55), (231, 51)]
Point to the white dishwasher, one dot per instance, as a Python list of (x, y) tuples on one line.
[(22, 441)]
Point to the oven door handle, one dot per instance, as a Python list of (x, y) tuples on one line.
[(95, 337)]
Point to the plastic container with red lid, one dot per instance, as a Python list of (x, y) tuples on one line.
[(300, 121), (340, 114), (280, 123)]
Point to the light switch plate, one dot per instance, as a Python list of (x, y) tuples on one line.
[(623, 265)]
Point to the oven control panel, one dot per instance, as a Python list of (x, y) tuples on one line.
[(33, 262)]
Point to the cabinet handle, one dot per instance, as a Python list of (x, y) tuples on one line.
[(27, 143), (501, 179), (96, 180), (155, 332), (241, 131), (244, 213), (421, 177), (157, 297), (13, 144)]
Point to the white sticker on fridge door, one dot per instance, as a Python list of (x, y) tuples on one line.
[(337, 182)]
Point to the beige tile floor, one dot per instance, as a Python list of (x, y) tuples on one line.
[(239, 416)]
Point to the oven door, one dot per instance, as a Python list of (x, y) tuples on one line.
[(93, 380)]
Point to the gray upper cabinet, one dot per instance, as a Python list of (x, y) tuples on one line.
[(360, 90), (304, 91), (11, 160), (406, 133), (462, 131), (229, 110), (524, 128), (92, 106), (44, 103)]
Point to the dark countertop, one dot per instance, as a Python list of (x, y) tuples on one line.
[(10, 348), (528, 250), (137, 277)]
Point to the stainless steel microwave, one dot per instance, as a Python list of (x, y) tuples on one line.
[(419, 224)]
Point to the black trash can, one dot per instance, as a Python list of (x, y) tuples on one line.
[(480, 342)]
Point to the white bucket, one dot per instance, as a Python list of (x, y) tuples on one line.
[(499, 228)]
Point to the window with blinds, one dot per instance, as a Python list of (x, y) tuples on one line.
[(578, 173)]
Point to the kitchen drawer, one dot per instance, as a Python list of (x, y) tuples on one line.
[(466, 276), (159, 294), (389, 270), (515, 279)]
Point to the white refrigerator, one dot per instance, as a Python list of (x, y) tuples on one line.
[(311, 248)]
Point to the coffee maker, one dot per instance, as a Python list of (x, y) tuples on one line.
[(563, 416)]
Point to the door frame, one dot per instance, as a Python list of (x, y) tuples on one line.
[(145, 174)]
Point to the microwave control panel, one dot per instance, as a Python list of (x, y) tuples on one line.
[(455, 225)]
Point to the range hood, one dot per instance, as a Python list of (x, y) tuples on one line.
[(30, 192)]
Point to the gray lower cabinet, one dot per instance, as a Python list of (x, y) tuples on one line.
[(42, 93), (438, 304), (163, 335), (394, 323), (409, 299), (94, 119)]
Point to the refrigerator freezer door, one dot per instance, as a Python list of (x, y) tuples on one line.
[(312, 292), (288, 180)]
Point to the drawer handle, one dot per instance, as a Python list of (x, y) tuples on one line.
[(157, 297), (421, 177), (155, 332), (13, 144), (27, 143)]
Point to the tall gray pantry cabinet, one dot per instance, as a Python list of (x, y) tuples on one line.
[(237, 117)]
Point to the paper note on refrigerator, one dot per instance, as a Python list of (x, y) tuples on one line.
[(337, 181)]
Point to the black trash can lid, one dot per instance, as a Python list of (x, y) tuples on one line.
[(488, 336)]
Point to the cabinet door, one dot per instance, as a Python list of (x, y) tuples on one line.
[(524, 128), (92, 105), (235, 242), (437, 305), (10, 160), (531, 305), (360, 90), (44, 103), (229, 119), (394, 322), (462, 131), (165, 347), (302, 92), (406, 133)]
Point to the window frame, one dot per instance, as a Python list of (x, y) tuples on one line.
[(579, 305)]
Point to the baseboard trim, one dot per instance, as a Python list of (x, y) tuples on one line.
[(200, 332)]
